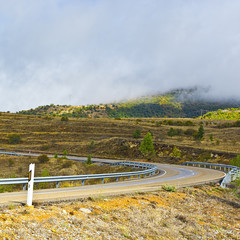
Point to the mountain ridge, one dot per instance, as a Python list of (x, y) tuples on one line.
[(185, 103)]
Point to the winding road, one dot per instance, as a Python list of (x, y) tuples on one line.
[(179, 176)]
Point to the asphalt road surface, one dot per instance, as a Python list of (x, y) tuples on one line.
[(175, 175)]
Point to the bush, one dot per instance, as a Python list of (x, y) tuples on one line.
[(65, 153), (64, 118), (92, 144), (169, 188), (67, 164), (190, 132), (137, 133), (89, 159), (236, 161), (43, 158), (174, 132), (14, 138), (10, 162), (176, 152)]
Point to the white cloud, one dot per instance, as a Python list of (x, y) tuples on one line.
[(84, 52)]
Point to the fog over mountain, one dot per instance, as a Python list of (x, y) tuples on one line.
[(92, 51)]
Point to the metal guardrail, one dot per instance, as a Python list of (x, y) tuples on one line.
[(149, 169), (233, 172), (230, 176), (222, 167)]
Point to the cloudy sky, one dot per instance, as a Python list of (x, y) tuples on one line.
[(98, 51)]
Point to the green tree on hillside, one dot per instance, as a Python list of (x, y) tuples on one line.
[(147, 148), (200, 133)]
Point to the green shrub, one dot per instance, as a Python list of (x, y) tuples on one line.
[(176, 152), (235, 161), (174, 132), (64, 118), (14, 138), (65, 153), (137, 133), (43, 158), (92, 144), (190, 132), (89, 159), (169, 188)]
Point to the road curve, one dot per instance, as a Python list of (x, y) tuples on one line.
[(176, 175)]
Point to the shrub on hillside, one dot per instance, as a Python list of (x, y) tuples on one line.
[(43, 158), (14, 138), (137, 133), (190, 132), (174, 132), (64, 118), (236, 161), (89, 159)]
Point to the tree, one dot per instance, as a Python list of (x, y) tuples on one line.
[(200, 133), (147, 148)]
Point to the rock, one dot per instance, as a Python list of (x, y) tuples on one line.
[(85, 210)]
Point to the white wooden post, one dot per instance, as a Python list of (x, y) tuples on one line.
[(30, 184)]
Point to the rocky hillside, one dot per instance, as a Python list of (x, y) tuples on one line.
[(177, 103), (190, 213)]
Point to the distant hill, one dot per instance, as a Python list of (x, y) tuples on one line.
[(230, 113), (185, 103)]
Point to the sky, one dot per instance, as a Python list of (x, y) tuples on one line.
[(83, 52)]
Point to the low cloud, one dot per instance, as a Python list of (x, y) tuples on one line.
[(90, 52)]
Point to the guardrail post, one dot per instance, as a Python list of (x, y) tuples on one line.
[(24, 186), (57, 185), (102, 180), (117, 179), (30, 184), (83, 181), (138, 176), (129, 177)]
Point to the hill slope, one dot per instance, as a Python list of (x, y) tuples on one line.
[(229, 113), (177, 103)]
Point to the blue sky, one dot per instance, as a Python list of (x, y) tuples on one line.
[(90, 52)]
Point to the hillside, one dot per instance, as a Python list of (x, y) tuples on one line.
[(184, 103), (114, 138), (190, 213), (229, 113)]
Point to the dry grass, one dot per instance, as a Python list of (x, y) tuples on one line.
[(110, 138), (192, 213)]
